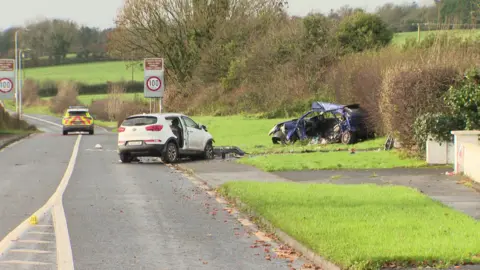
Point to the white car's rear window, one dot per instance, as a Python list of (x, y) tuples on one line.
[(139, 121)]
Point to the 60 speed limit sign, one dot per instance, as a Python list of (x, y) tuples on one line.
[(154, 83), (6, 85)]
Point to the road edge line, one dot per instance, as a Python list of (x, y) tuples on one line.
[(42, 120), (63, 245), (54, 200)]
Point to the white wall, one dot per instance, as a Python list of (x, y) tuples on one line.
[(440, 153), (461, 138), (471, 161)]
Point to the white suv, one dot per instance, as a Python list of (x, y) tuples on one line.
[(168, 136)]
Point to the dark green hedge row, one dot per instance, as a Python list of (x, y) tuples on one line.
[(90, 89), (28, 63)]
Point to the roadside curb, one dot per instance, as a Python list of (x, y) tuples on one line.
[(10, 141), (262, 222)]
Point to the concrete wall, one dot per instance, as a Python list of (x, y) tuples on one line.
[(461, 138), (440, 153), (471, 161)]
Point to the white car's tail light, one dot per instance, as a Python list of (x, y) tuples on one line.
[(154, 128)]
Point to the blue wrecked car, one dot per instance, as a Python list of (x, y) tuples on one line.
[(333, 122)]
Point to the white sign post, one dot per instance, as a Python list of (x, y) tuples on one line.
[(154, 79), (7, 79)]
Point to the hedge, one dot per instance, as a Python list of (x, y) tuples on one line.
[(89, 89)]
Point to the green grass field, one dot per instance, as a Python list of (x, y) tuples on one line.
[(364, 226), (332, 161), (400, 38), (88, 73)]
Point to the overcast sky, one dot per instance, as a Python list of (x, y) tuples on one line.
[(101, 13)]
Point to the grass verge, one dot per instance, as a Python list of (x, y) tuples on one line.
[(332, 161), (364, 226), (14, 132)]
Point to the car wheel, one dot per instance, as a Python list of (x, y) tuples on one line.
[(91, 132), (126, 158), (170, 155), (65, 133), (208, 152), (348, 137)]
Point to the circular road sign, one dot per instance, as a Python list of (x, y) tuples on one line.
[(6, 85), (154, 83)]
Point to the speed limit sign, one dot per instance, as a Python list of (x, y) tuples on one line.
[(6, 85), (154, 83)]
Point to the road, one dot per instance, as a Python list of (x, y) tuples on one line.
[(118, 216)]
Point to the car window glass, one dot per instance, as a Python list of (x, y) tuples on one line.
[(190, 123), (139, 121), (77, 113)]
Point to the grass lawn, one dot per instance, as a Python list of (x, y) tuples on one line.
[(400, 38), (364, 226), (332, 161), (89, 73)]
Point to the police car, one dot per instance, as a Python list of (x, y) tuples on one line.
[(77, 119)]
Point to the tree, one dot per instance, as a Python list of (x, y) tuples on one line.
[(50, 37), (87, 39), (179, 30), (459, 11), (362, 31), (7, 42), (318, 31)]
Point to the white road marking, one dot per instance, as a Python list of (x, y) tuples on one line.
[(33, 241), (42, 120), (29, 251), (63, 245), (24, 262)]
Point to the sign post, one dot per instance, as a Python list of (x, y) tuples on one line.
[(7, 79), (154, 79)]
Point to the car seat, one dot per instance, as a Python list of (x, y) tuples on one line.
[(177, 131)]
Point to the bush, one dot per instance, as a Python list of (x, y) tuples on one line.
[(362, 31), (49, 88), (98, 109), (463, 99), (114, 104), (30, 93), (66, 97), (438, 126), (409, 91), (461, 112), (8, 122)]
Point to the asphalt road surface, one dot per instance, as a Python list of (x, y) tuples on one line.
[(119, 216)]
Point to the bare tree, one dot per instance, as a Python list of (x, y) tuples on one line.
[(178, 30)]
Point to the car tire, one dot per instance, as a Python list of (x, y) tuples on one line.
[(348, 137), (208, 153), (91, 132), (65, 133), (125, 158), (170, 155)]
